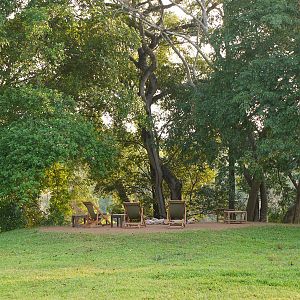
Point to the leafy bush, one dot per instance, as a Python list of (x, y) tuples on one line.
[(11, 216), (57, 181), (45, 131)]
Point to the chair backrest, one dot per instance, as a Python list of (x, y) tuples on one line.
[(90, 207), (132, 210), (176, 209)]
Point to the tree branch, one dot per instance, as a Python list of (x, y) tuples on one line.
[(293, 181), (185, 64), (137, 14), (204, 28)]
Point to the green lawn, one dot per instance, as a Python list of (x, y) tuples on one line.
[(254, 262)]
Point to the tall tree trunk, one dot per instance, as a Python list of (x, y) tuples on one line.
[(173, 183), (231, 179), (289, 215), (296, 219), (252, 199), (293, 213), (155, 165), (255, 183), (148, 88), (155, 208), (264, 202), (256, 211), (155, 203)]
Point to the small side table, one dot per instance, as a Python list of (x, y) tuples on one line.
[(76, 218), (235, 216), (119, 218)]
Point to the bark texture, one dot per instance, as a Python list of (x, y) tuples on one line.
[(257, 195), (296, 219), (264, 202), (173, 183), (155, 165), (293, 213), (231, 180), (252, 200), (148, 91)]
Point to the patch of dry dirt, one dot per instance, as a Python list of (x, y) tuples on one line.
[(149, 229)]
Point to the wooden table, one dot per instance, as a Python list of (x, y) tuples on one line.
[(235, 216), (77, 217), (119, 217)]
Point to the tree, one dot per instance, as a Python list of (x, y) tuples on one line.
[(39, 127), (158, 28), (254, 83), (48, 46)]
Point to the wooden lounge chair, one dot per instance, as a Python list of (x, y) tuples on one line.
[(176, 213), (134, 214), (95, 215)]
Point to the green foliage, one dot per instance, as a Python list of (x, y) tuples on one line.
[(81, 55), (82, 187), (250, 103), (255, 90), (57, 181), (38, 130), (26, 103), (65, 66), (130, 177), (11, 215), (282, 196), (7, 7), (80, 52)]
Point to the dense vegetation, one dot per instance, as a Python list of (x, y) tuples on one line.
[(189, 264), (149, 100)]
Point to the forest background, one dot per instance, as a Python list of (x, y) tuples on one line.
[(149, 100)]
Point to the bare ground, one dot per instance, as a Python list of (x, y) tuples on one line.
[(149, 229)]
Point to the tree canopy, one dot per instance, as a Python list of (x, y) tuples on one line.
[(154, 101)]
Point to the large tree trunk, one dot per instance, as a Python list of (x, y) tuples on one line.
[(173, 183), (256, 211), (264, 202), (289, 215), (255, 186), (157, 171), (231, 180), (148, 88), (155, 207), (155, 203), (293, 213), (296, 219), (252, 200)]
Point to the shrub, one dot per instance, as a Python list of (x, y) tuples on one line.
[(11, 216)]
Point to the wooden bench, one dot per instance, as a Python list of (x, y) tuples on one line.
[(235, 216)]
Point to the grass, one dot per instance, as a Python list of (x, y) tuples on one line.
[(248, 263)]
